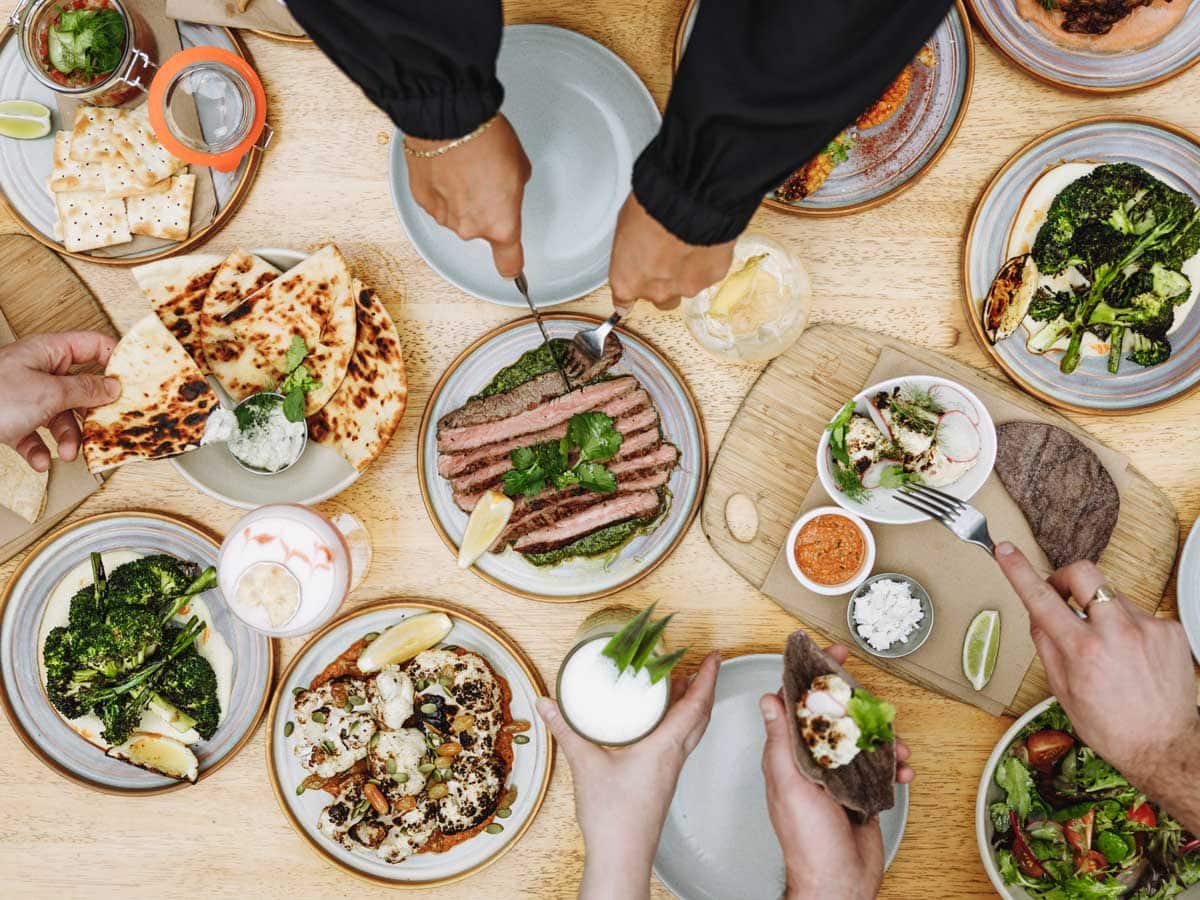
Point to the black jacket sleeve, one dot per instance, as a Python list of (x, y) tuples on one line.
[(429, 64), (763, 86)]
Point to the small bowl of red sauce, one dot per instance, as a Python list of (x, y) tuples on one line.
[(830, 551)]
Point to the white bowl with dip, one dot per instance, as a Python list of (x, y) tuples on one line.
[(860, 574)]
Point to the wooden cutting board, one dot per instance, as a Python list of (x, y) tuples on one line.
[(769, 455)]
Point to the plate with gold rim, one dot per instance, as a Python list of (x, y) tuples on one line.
[(532, 762)]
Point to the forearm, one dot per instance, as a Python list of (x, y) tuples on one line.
[(764, 85), (1175, 783), (430, 66), (610, 873)]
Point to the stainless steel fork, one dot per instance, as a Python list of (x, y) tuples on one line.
[(967, 523), (590, 343)]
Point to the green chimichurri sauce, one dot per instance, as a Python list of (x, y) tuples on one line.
[(529, 366), (598, 543)]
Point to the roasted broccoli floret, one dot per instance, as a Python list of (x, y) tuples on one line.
[(1096, 244), (121, 642), (120, 715), (66, 681), (191, 685), (1149, 314), (202, 582), (1048, 305), (1169, 284), (148, 580), (1149, 351)]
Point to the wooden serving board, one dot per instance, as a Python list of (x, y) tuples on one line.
[(769, 455)]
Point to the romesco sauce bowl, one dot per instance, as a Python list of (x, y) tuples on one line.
[(823, 551)]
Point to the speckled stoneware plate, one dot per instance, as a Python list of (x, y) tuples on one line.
[(718, 841), (583, 116), (1167, 152), (25, 165), (893, 156), (319, 474), (1030, 49), (1188, 585), (577, 579), (532, 761), (23, 606)]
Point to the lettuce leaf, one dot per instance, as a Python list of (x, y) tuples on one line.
[(873, 717)]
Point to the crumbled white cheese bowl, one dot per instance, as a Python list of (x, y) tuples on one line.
[(890, 615)]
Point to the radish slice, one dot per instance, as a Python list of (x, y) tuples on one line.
[(950, 398), (940, 471), (958, 437), (873, 476), (877, 417)]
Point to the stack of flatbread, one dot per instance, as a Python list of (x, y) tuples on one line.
[(113, 178), (234, 318)]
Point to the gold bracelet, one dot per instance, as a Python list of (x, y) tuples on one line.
[(446, 148)]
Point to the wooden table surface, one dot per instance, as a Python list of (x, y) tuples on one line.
[(894, 269)]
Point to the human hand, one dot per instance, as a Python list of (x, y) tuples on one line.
[(650, 263), (622, 794), (37, 391), (476, 190), (824, 853), (1124, 678)]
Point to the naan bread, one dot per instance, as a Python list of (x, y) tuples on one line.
[(21, 489), (239, 277), (176, 288), (314, 300), (164, 404), (362, 416)]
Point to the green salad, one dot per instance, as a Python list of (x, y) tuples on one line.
[(1071, 827)]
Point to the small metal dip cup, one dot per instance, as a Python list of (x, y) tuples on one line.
[(252, 469)]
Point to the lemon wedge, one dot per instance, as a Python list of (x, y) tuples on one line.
[(980, 648), (488, 519), (404, 640), (24, 119), (735, 288), (159, 754)]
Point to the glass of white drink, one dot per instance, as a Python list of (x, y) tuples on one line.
[(601, 700)]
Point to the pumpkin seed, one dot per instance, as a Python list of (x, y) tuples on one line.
[(300, 789), (356, 700), (445, 682), (288, 728), (494, 828), (401, 777), (429, 708), (425, 768), (391, 765), (370, 635), (509, 797), (443, 774), (438, 791), (521, 739), (297, 691), (435, 740), (503, 813), (328, 745), (319, 717), (374, 741)]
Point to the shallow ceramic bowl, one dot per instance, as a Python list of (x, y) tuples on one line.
[(910, 644)]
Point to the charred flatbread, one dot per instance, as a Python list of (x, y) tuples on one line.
[(866, 785), (164, 404), (176, 288), (240, 276), (362, 416), (313, 301), (1063, 490)]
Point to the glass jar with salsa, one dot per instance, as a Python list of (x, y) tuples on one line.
[(98, 51)]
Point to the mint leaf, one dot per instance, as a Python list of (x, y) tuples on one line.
[(293, 405), (296, 353), (895, 476), (593, 433), (873, 717)]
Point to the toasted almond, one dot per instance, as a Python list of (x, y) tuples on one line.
[(406, 803), (450, 748), (517, 725), (462, 722), (438, 791), (375, 797), (339, 693), (443, 762)]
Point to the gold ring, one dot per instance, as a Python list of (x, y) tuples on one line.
[(1104, 594)]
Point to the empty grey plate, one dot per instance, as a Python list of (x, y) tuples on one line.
[(583, 116), (1189, 589), (718, 841)]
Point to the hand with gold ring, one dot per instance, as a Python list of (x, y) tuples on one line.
[(1123, 677)]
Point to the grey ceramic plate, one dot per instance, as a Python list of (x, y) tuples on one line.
[(24, 601), (718, 842), (578, 579), (1168, 153), (910, 644), (532, 761), (887, 159), (25, 165), (1030, 49), (583, 116), (319, 474), (1188, 585)]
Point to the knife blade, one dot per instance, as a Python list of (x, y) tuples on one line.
[(523, 287)]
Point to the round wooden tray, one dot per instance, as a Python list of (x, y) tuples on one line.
[(223, 214), (830, 212), (279, 36)]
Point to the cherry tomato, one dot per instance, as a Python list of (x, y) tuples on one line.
[(1094, 861), (1143, 815), (1026, 861), (1079, 832), (1047, 747)]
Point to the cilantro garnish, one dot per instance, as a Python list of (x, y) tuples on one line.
[(590, 440)]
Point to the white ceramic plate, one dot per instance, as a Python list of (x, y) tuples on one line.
[(1188, 589), (881, 506), (718, 841), (576, 579), (317, 475), (24, 603), (583, 116), (532, 762)]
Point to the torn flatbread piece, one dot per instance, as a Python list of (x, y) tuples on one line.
[(164, 404), (92, 137), (22, 490), (176, 288), (89, 220), (71, 175), (865, 785), (1063, 490), (360, 419), (140, 148), (313, 301), (164, 214)]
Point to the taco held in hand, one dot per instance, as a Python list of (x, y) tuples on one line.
[(842, 736)]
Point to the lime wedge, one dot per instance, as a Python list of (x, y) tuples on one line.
[(488, 519), (24, 119), (980, 648)]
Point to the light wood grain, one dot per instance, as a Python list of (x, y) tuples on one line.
[(892, 270), (769, 455)]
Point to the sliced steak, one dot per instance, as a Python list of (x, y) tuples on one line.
[(610, 511), (1061, 487), (531, 394), (549, 414), (662, 455), (452, 464)]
